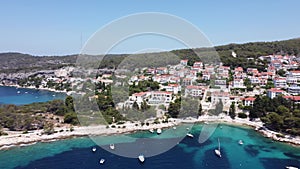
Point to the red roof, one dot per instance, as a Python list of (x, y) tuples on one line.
[(275, 90), (249, 99), (294, 98), (194, 87)]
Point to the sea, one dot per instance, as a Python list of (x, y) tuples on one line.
[(21, 96), (257, 152)]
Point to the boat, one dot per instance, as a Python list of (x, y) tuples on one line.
[(141, 158), (112, 146), (218, 151), (26, 92), (174, 127), (291, 167), (94, 149), (151, 130), (190, 135), (158, 131), (241, 142), (102, 160), (18, 92)]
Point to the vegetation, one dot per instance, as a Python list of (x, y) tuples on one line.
[(280, 115)]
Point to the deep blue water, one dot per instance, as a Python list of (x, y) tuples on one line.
[(256, 153), (20, 96)]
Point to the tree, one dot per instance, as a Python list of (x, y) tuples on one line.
[(135, 106), (200, 110), (69, 103), (71, 118), (232, 110), (174, 108), (48, 128), (281, 72)]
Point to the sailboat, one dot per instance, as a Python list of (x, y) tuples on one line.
[(218, 151)]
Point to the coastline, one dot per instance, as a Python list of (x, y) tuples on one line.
[(15, 138)]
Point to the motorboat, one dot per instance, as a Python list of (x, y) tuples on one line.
[(141, 158)]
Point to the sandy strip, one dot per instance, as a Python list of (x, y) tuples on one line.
[(17, 138)]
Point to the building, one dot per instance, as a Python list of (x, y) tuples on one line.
[(174, 88), (294, 90), (184, 62), (194, 91), (217, 96), (248, 101), (159, 97), (280, 82), (238, 83), (274, 92)]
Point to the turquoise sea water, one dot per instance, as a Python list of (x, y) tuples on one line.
[(20, 96), (256, 152)]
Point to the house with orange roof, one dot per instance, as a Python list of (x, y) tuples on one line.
[(248, 101)]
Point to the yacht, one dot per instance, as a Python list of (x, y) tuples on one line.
[(291, 167), (190, 135), (218, 151), (102, 160), (141, 158), (112, 146)]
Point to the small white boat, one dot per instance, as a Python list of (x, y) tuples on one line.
[(206, 122), (174, 127), (53, 95), (190, 135), (151, 130), (141, 158), (158, 131), (112, 146), (241, 142), (26, 92), (102, 160), (18, 92), (94, 149), (291, 167), (218, 151)]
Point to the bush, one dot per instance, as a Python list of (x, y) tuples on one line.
[(242, 115)]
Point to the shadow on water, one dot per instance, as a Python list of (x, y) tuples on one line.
[(272, 163), (252, 150), (292, 155), (211, 161)]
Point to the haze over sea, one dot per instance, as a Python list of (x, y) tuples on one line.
[(20, 96), (256, 152)]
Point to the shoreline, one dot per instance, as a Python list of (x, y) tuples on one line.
[(15, 138)]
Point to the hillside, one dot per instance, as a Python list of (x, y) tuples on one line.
[(17, 62)]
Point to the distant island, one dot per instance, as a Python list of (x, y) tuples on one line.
[(256, 84)]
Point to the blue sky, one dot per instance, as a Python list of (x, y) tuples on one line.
[(54, 27)]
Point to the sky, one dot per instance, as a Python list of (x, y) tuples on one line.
[(61, 27)]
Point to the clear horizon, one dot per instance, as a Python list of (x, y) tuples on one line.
[(62, 27)]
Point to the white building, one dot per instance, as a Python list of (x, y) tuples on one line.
[(294, 90), (194, 91), (280, 82), (274, 92)]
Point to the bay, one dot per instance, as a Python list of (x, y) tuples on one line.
[(257, 152), (21, 96)]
